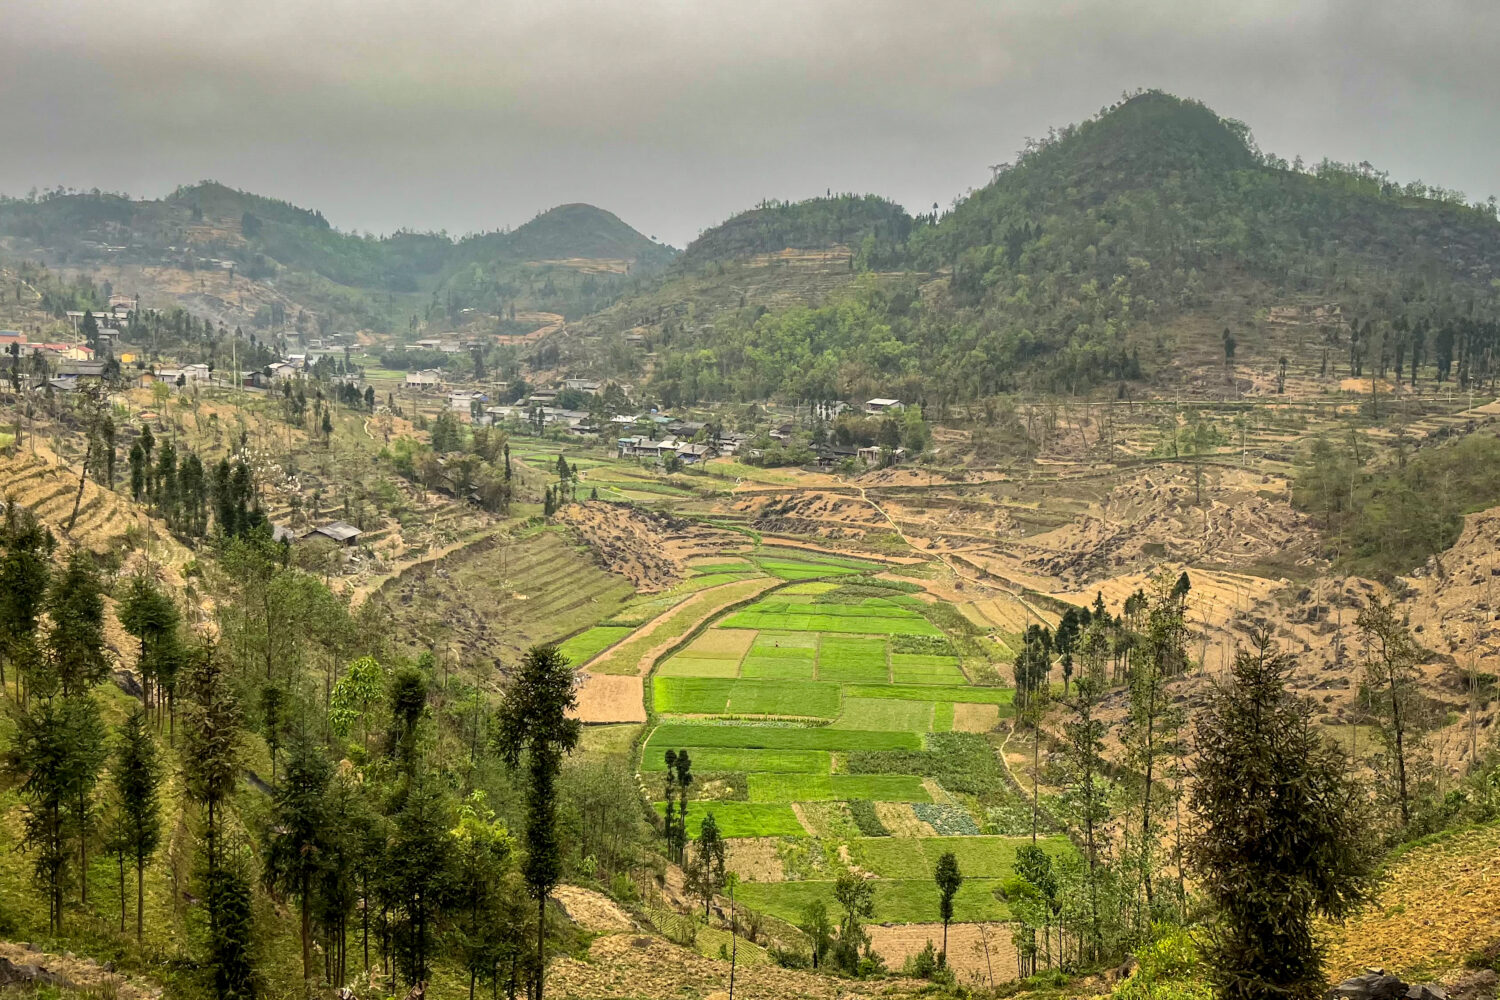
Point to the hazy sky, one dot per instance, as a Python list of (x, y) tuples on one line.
[(476, 114)]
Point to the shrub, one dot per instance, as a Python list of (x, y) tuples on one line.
[(923, 964)]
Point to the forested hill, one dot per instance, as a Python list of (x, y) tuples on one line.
[(852, 221), (1064, 272), (356, 280)]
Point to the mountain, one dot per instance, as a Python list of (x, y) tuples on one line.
[(1109, 252), (569, 260)]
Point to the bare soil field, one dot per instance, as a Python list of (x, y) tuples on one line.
[(630, 965), (976, 952), (591, 910), (604, 698)]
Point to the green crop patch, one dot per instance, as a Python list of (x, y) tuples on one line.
[(683, 665), (942, 717), (591, 642), (711, 761), (925, 668), (881, 618), (885, 713), (781, 656), (686, 734), (916, 857), (905, 901), (742, 819), (810, 589), (788, 569), (852, 661), (727, 696), (824, 787), (972, 695)]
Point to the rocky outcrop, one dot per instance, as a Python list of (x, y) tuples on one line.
[(1376, 984)]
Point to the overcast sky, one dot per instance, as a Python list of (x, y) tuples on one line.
[(469, 115)]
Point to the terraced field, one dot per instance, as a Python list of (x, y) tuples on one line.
[(836, 709), (488, 602)]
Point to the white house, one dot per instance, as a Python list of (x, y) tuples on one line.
[(882, 405), (423, 381), (462, 400)]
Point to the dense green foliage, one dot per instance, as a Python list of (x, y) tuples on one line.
[(1055, 274), (1386, 520)]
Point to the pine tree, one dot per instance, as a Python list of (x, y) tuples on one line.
[(229, 901), (137, 471), (25, 573), (88, 748), (420, 862), (706, 873), (534, 721), (1282, 835), (136, 776), (1087, 795), (1391, 677), (295, 853), (152, 617), (75, 604), (40, 759)]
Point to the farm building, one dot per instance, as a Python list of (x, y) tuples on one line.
[(423, 381), (341, 532), (882, 405)]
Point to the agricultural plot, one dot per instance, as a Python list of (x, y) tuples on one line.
[(885, 713), (715, 653), (683, 734), (707, 760), (916, 858), (925, 668), (742, 819), (876, 618), (847, 660), (591, 642), (897, 901), (918, 692), (728, 696), (779, 655), (824, 787)]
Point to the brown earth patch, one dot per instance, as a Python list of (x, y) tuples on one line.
[(637, 965), (901, 821), (610, 698), (755, 859), (591, 910), (968, 956), (969, 718)]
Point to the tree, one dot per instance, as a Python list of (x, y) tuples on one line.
[(272, 721), (40, 759), (856, 895), (152, 617), (88, 748), (230, 904), (1392, 670), (1151, 728), (419, 871), (25, 572), (1282, 834), (948, 879), (819, 930), (136, 776), (483, 854), (75, 604), (533, 721), (354, 696), (137, 471), (684, 780), (298, 841), (211, 756), (706, 872), (1086, 799)]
